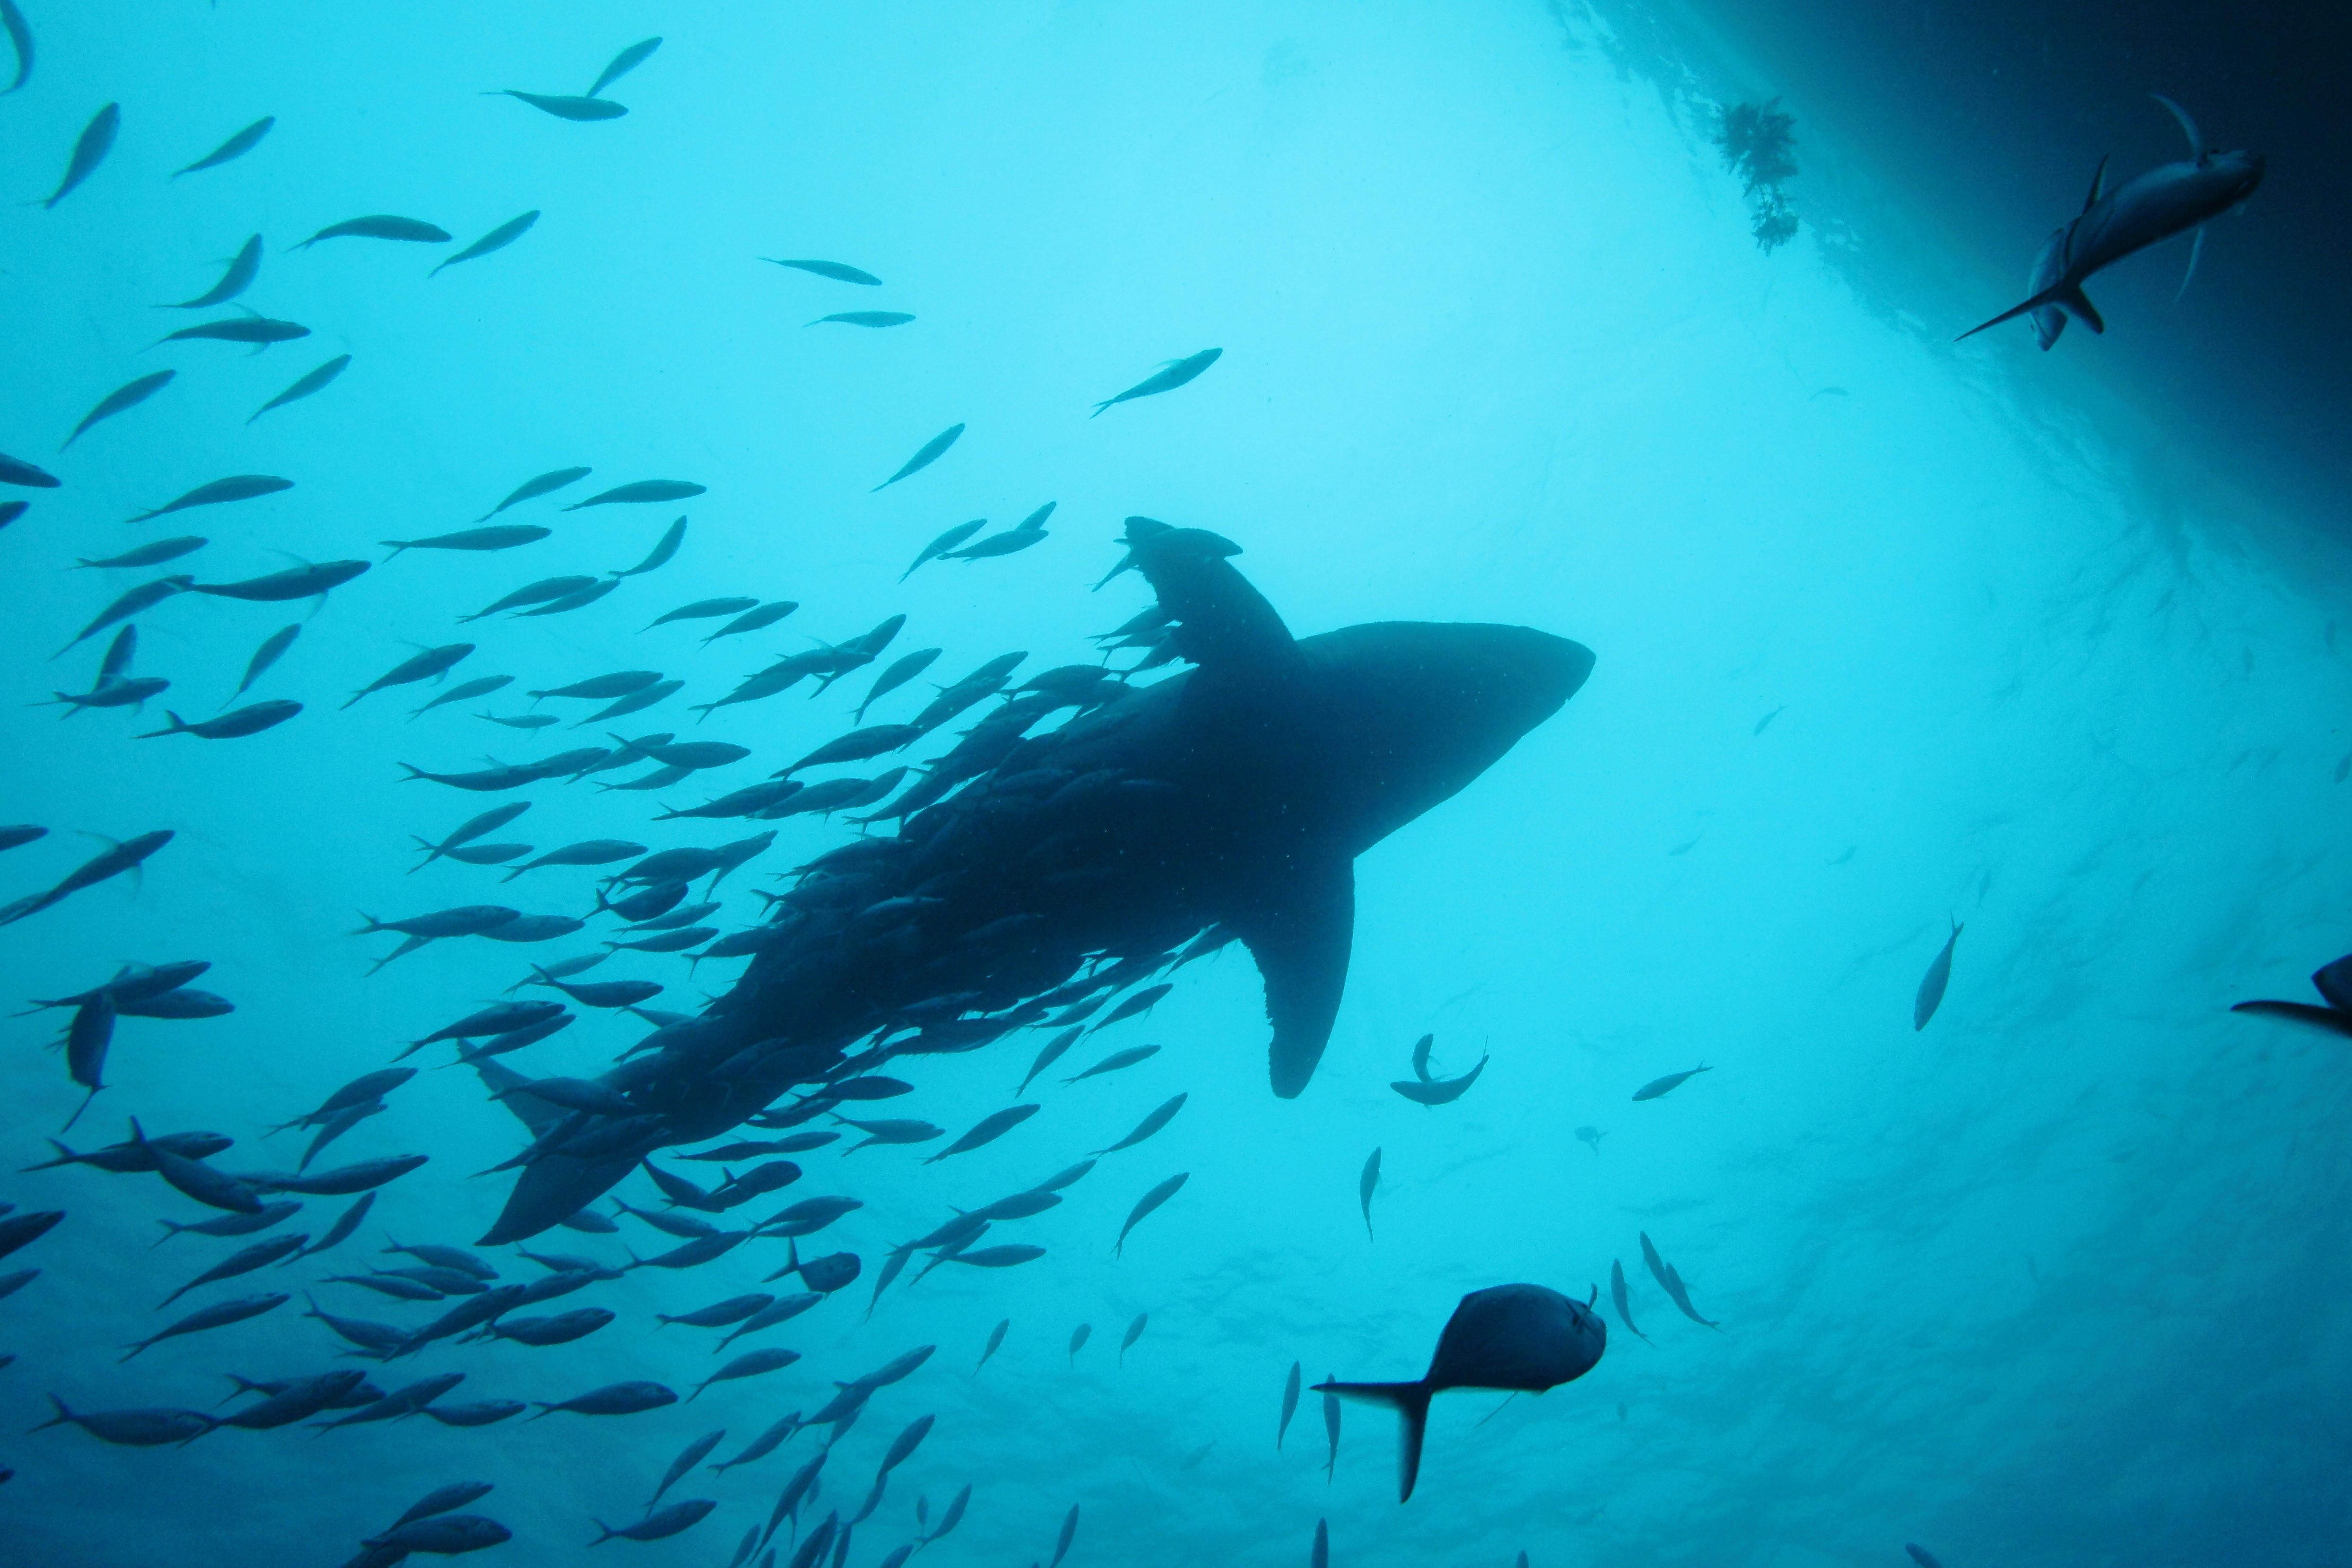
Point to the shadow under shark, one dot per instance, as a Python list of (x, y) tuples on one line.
[(2168, 199), (1225, 803)]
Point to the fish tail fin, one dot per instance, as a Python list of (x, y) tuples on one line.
[(59, 1419), (82, 1107), (177, 726), (65, 1157), (2067, 297), (414, 772), (1410, 1402)]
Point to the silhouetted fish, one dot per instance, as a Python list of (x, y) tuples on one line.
[(839, 272), (1171, 376), (1522, 1338), (562, 108), (380, 225), (530, 490), (2153, 207), (236, 279), (498, 238), (220, 492), (1667, 1084), (294, 583), (499, 536), (641, 491), (235, 724), (622, 64), (90, 150), (128, 395), (1622, 1298), (20, 34), (929, 453), (258, 331), (316, 381), (1932, 983), (1672, 1283), (1146, 1204), (236, 146)]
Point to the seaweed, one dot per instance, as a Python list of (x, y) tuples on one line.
[(1759, 143)]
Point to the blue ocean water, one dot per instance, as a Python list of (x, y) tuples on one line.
[(1890, 635)]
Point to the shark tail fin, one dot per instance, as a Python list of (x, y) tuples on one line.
[(1410, 1402), (2067, 297)]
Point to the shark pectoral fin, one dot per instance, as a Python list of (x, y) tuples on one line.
[(2078, 305), (1223, 621), (2196, 253), (1301, 936)]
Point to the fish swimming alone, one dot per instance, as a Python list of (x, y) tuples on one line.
[(1235, 794), (1522, 1338), (930, 453), (1176, 372), (1930, 995), (2166, 200), (1657, 1087)]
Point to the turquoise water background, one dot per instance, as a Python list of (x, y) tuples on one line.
[(2060, 1280)]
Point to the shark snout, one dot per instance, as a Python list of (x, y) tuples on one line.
[(1554, 669), (2243, 172)]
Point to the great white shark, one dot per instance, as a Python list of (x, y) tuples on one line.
[(2169, 199), (1225, 803)]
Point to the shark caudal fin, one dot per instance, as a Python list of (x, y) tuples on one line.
[(1410, 1402), (2067, 297)]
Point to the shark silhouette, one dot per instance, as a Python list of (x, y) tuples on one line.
[(1228, 801), (2168, 199)]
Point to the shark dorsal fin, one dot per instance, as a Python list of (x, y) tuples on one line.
[(1221, 620)]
